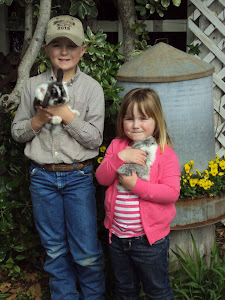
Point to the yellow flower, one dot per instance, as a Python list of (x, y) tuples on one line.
[(214, 172), (198, 172), (206, 176), (214, 166), (102, 149), (208, 184), (211, 163), (187, 168), (221, 173), (100, 159), (193, 182), (217, 159), (222, 164), (191, 164)]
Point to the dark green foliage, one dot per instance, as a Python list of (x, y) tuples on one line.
[(17, 231), (195, 279)]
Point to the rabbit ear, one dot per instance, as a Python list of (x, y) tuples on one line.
[(45, 101), (60, 75)]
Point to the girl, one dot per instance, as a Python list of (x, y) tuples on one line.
[(139, 218)]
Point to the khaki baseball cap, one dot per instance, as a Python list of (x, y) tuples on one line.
[(65, 26)]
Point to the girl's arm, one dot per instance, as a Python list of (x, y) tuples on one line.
[(106, 173), (167, 189), (116, 157)]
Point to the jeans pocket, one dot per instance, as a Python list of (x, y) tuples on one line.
[(144, 240), (33, 170), (86, 171), (159, 241)]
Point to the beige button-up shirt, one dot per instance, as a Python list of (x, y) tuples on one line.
[(75, 142)]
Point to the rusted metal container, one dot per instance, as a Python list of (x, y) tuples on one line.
[(199, 212), (185, 87)]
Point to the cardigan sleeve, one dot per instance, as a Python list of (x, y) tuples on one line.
[(106, 173), (167, 188)]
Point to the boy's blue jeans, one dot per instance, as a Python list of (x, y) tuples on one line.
[(64, 210), (134, 260)]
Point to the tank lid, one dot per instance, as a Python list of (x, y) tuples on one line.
[(163, 63)]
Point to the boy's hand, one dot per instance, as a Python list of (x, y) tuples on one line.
[(62, 111), (128, 182), (135, 156), (40, 119)]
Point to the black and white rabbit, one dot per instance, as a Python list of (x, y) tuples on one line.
[(150, 146), (53, 93)]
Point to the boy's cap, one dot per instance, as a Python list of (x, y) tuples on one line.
[(65, 26)]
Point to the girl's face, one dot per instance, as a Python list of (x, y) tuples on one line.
[(64, 54), (138, 127)]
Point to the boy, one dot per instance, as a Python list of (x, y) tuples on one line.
[(62, 191)]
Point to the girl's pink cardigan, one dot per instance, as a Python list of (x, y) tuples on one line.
[(157, 196)]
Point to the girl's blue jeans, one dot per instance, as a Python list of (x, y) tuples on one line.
[(135, 261), (64, 210)]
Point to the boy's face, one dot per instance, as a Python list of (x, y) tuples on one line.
[(64, 54)]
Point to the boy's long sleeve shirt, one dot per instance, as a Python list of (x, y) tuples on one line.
[(80, 139)]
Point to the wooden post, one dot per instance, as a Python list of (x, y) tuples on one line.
[(4, 45)]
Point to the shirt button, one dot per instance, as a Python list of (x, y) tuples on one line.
[(56, 153)]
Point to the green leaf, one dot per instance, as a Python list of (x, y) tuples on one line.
[(74, 8), (16, 182), (17, 269), (4, 296), (82, 11), (165, 3), (2, 255), (20, 257), (176, 2), (8, 2)]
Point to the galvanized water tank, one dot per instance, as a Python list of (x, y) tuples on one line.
[(185, 86)]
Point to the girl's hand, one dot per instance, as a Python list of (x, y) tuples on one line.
[(135, 156), (128, 182)]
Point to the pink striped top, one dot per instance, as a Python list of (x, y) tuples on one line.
[(127, 220)]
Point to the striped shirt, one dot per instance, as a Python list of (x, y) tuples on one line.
[(127, 220)]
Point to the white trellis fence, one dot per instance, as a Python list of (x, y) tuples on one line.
[(206, 28)]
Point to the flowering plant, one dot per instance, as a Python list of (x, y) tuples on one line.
[(210, 182)]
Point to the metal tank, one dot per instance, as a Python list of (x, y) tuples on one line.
[(185, 87)]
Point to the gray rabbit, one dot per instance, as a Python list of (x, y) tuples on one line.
[(150, 146)]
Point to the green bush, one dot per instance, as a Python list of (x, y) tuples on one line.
[(17, 232)]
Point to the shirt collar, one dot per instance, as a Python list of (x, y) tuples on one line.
[(71, 81)]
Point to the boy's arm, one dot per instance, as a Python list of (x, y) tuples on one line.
[(27, 122), (89, 131)]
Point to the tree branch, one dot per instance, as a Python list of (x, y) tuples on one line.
[(127, 16), (28, 28), (11, 101)]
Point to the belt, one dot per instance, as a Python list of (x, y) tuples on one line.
[(64, 167)]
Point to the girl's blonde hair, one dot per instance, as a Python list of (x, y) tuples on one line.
[(149, 105)]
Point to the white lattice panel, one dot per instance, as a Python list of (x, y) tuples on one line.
[(206, 22)]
